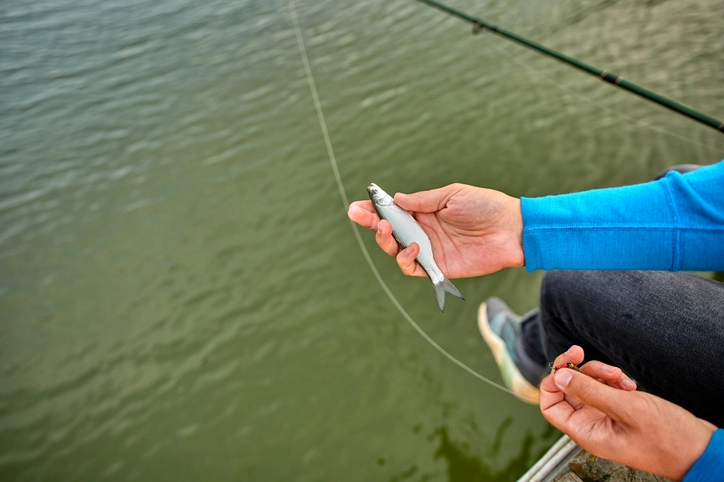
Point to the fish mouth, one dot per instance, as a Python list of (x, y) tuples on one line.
[(373, 188)]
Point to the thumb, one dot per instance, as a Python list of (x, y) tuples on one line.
[(425, 201), (611, 401)]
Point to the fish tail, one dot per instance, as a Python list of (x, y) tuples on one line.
[(441, 288)]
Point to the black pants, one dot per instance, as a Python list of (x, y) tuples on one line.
[(665, 330)]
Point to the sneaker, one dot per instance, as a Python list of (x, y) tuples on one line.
[(501, 328)]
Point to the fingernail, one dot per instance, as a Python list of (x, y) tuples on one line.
[(566, 353), (628, 384), (409, 249), (563, 378), (608, 368)]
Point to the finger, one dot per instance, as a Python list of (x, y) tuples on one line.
[(614, 376), (574, 355), (550, 394), (571, 420), (426, 201), (588, 391), (554, 405), (384, 238), (597, 369), (364, 214), (407, 263)]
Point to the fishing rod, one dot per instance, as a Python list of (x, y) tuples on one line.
[(606, 76)]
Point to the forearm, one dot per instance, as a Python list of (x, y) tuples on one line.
[(673, 224)]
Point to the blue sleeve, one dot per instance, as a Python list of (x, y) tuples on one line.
[(676, 223), (710, 466)]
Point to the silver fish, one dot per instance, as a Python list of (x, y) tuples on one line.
[(406, 231)]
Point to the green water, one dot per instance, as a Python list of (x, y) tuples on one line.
[(182, 297)]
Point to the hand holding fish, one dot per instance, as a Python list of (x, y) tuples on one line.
[(600, 410), (473, 231)]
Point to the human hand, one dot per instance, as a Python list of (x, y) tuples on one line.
[(613, 421), (473, 231), (611, 376)]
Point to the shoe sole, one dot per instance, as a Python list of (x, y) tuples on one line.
[(521, 387)]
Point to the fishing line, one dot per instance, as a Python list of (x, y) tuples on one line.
[(345, 201)]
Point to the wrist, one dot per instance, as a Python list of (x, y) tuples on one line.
[(696, 450), (516, 233)]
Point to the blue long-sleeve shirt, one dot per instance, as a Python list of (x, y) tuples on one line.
[(676, 223), (710, 466)]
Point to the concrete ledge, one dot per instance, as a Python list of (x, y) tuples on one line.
[(567, 462)]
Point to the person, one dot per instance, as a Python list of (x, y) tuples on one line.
[(614, 291)]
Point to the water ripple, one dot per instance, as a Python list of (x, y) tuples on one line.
[(178, 274)]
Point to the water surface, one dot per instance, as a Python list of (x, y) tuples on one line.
[(182, 296)]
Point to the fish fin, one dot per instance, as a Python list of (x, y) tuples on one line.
[(443, 287)]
